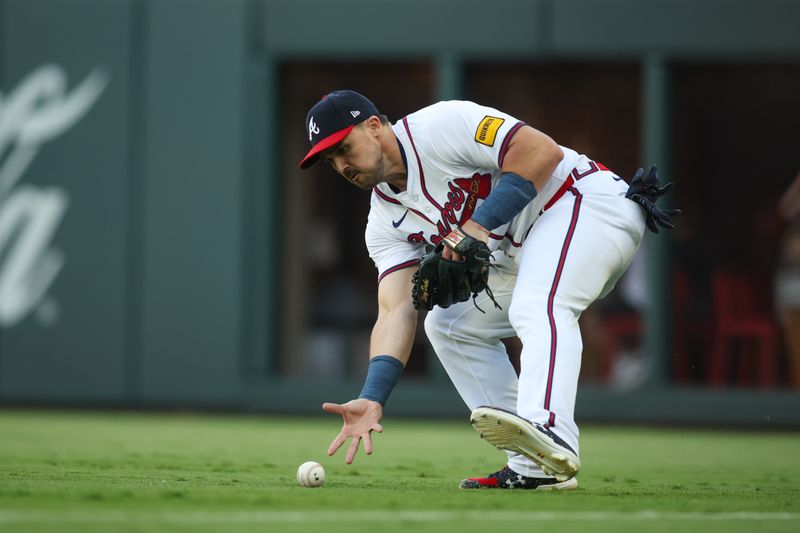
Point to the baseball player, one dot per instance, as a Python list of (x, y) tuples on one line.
[(472, 181)]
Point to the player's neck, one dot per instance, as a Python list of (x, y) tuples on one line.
[(398, 182), (396, 173)]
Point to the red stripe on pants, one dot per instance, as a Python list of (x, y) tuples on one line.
[(551, 297)]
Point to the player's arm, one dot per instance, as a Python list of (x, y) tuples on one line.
[(532, 155), (531, 159), (396, 325), (390, 347)]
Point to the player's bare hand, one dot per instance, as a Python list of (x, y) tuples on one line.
[(361, 418), (451, 255), (471, 228)]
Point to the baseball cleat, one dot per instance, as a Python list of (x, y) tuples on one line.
[(508, 431), (508, 479)]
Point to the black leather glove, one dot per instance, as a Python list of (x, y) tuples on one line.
[(444, 282), (645, 192)]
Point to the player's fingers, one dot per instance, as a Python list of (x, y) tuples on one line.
[(661, 191), (665, 189), (447, 253), (351, 451), (368, 443), (333, 408), (666, 223), (337, 443), (378, 428)]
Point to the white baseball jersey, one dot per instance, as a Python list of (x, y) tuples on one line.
[(585, 236), (453, 153)]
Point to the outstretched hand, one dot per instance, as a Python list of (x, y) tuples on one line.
[(645, 191), (361, 418)]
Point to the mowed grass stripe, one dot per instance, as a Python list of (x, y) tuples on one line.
[(100, 472), (261, 517)]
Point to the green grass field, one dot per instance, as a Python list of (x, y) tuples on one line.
[(162, 472)]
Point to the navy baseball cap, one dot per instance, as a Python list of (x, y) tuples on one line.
[(332, 118)]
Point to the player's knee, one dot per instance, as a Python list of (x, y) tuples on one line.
[(436, 326), (527, 313)]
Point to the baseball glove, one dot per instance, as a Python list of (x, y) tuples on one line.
[(443, 282), (645, 192)]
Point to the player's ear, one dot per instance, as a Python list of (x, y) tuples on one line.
[(374, 125)]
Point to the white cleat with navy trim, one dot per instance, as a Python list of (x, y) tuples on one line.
[(508, 431)]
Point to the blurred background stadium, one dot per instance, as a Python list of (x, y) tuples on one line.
[(159, 247)]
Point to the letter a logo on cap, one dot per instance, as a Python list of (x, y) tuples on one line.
[(313, 129), (332, 119)]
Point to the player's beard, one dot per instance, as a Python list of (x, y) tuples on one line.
[(369, 178)]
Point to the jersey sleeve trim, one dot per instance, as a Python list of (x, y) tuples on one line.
[(504, 147), (395, 268)]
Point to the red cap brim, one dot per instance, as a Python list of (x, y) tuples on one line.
[(335, 138)]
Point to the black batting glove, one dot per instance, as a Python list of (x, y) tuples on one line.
[(645, 192)]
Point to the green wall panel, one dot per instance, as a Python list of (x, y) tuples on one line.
[(693, 28), (412, 27), (63, 207), (505, 29), (192, 298)]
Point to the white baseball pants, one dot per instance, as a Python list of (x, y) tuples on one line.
[(575, 253)]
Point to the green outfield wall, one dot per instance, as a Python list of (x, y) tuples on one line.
[(147, 205)]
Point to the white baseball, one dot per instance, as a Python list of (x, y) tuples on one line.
[(311, 474)]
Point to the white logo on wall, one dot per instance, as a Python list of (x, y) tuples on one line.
[(37, 110)]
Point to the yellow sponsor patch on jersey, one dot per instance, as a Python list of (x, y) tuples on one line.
[(487, 130)]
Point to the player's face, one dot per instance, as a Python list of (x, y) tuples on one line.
[(358, 157)]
